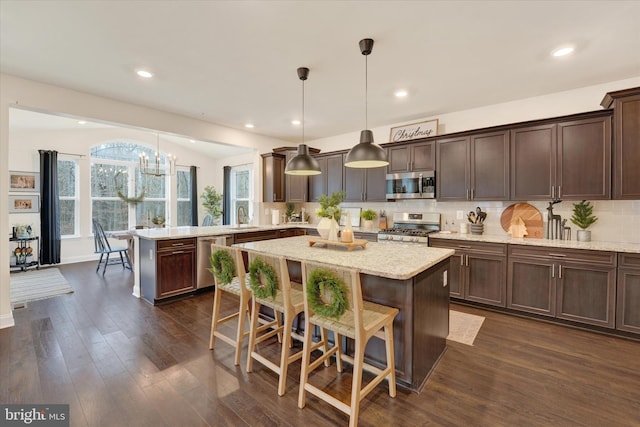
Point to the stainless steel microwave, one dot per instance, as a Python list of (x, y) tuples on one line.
[(411, 185)]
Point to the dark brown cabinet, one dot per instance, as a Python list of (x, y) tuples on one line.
[(365, 185), (411, 157), (474, 167), (568, 160), (626, 155), (575, 285), (167, 268), (628, 303), (478, 271), (296, 186), (330, 180), (273, 188)]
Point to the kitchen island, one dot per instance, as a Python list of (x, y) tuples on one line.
[(410, 277)]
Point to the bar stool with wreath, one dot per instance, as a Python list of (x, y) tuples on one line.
[(271, 286), (333, 301), (227, 267)]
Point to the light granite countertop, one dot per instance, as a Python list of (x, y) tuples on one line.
[(218, 230), (568, 244), (383, 259)]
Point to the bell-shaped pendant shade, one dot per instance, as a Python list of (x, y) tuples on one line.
[(366, 154), (303, 163)]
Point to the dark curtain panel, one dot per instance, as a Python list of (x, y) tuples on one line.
[(226, 203), (194, 195), (49, 208)]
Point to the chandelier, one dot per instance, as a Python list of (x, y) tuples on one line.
[(156, 168)]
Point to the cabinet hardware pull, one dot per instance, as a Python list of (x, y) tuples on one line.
[(553, 271), (177, 252), (467, 194), (553, 191), (560, 271), (467, 260), (462, 260), (554, 254), (177, 244), (559, 192), (464, 247), (472, 193)]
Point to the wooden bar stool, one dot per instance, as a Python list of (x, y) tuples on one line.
[(229, 276), (333, 301), (269, 281)]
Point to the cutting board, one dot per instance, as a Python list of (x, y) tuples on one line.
[(530, 215)]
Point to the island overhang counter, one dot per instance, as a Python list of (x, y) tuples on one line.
[(410, 277)]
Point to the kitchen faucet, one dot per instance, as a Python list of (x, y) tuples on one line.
[(241, 214)]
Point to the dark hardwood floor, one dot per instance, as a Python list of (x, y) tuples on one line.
[(119, 361)]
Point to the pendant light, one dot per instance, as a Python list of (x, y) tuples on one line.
[(366, 154), (303, 163)]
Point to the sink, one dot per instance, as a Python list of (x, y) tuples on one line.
[(243, 227)]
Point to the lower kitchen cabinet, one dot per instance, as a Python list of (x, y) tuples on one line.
[(628, 304), (167, 268), (575, 285), (478, 271)]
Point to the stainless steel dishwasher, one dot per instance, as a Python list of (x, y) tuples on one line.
[(204, 277)]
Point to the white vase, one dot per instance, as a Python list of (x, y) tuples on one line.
[(368, 224), (333, 231), (584, 235), (323, 228)]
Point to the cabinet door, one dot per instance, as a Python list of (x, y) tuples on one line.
[(176, 272), (318, 183), (334, 173), (354, 184), (273, 177), (627, 147), (423, 156), (490, 166), (531, 286), (628, 316), (375, 185), (584, 159), (455, 275), (586, 294), (297, 186), (486, 279), (399, 159), (533, 162), (452, 180)]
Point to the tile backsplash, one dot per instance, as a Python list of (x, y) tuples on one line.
[(618, 220)]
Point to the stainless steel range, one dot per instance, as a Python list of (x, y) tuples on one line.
[(411, 227)]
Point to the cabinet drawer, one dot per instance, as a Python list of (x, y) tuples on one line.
[(164, 245), (628, 260), (479, 247), (561, 254), (254, 236)]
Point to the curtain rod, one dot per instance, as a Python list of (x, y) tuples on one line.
[(72, 154)]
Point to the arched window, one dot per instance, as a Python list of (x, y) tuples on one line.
[(121, 197)]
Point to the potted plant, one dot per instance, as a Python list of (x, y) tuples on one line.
[(329, 212), (583, 217), (212, 202), (368, 215)]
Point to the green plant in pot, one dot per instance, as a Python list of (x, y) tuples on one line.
[(368, 215), (212, 202), (583, 217)]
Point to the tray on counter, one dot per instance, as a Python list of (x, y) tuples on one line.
[(355, 244)]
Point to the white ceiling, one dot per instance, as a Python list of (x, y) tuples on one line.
[(232, 62)]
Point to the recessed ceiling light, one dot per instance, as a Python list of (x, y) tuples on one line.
[(192, 141), (295, 122), (82, 122), (144, 74), (563, 51), (401, 93), (249, 125)]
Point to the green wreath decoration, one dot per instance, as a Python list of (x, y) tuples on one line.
[(259, 270), (132, 200), (222, 266), (323, 280)]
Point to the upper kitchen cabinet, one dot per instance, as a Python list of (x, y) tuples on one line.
[(474, 167), (412, 157), (626, 155), (568, 159), (365, 185), (273, 189), (330, 180)]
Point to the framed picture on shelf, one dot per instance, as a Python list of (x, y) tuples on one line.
[(28, 203), (24, 181)]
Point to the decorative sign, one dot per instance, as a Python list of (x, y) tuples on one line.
[(414, 131)]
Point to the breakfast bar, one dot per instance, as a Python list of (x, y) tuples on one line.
[(412, 278)]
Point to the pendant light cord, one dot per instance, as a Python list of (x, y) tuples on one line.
[(366, 91), (303, 111)]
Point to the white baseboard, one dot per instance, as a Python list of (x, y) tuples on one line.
[(6, 321)]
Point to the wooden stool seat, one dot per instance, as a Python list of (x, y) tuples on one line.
[(360, 321)]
